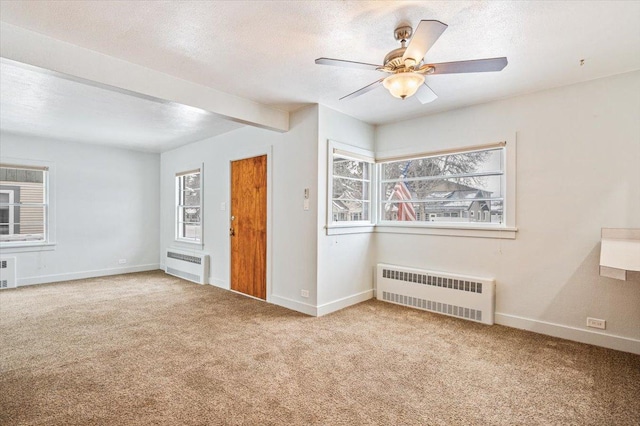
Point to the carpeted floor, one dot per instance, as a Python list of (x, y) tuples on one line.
[(148, 348)]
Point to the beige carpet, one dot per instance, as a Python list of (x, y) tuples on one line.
[(148, 348)]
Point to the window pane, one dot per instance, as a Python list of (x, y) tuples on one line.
[(190, 214), (444, 211), (191, 231), (192, 181), (350, 210), (435, 189), (22, 186), (22, 223), (35, 177), (454, 164), (399, 211), (191, 197), (450, 189), (351, 192), (348, 189), (350, 168), (190, 189)]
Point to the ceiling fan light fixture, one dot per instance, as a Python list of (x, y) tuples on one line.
[(403, 85)]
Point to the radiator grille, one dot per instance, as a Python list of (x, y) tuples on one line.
[(463, 296), (436, 281), (183, 274), (431, 305), (185, 257)]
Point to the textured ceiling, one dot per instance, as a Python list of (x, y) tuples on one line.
[(265, 51), (45, 104)]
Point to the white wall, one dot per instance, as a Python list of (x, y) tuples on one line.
[(106, 202), (337, 270), (578, 170), (291, 233), (578, 156), (345, 262)]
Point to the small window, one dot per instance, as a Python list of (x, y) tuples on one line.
[(350, 195), (23, 204), (189, 206), (456, 187)]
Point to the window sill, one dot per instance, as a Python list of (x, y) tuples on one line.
[(454, 231), (363, 228), (188, 243), (11, 248)]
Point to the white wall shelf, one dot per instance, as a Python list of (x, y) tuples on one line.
[(620, 254)]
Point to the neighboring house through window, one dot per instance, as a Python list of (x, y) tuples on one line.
[(23, 203), (455, 187)]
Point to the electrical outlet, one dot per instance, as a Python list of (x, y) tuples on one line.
[(304, 293), (596, 323), (122, 261)]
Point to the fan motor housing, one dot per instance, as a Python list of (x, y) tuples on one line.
[(394, 58)]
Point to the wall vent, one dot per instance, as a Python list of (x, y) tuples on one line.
[(433, 306), (8, 277), (459, 296), (182, 274), (189, 265), (185, 257)]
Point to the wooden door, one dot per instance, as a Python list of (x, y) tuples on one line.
[(248, 230)]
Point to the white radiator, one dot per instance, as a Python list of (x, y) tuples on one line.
[(190, 265), (459, 296), (8, 272)]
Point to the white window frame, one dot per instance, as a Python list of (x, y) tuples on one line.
[(358, 154), (177, 206), (507, 229), (49, 202)]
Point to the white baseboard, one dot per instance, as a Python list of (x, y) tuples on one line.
[(44, 279), (619, 343), (294, 305), (323, 309), (336, 305)]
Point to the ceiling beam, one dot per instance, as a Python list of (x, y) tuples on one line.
[(28, 47)]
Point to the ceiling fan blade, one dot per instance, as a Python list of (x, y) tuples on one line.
[(425, 94), (477, 65), (423, 38), (364, 90), (348, 64)]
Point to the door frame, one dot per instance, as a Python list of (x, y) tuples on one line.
[(245, 155)]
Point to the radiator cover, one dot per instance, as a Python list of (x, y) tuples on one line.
[(186, 264), (460, 296)]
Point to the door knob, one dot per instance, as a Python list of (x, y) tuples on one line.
[(232, 232)]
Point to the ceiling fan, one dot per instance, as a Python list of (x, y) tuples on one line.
[(406, 65)]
